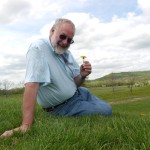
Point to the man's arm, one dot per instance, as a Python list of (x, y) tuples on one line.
[(29, 101)]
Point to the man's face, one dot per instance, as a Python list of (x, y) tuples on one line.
[(61, 38)]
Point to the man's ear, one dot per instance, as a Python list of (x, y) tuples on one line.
[(52, 29)]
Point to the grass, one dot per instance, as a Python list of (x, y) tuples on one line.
[(127, 129), (121, 93)]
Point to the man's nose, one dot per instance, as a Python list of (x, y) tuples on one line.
[(65, 42)]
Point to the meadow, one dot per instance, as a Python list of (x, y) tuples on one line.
[(127, 129)]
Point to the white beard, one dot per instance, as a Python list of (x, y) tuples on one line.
[(59, 50)]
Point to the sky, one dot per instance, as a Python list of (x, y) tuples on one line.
[(113, 34)]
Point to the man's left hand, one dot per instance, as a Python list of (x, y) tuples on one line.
[(85, 69)]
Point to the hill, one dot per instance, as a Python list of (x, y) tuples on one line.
[(139, 75), (138, 78)]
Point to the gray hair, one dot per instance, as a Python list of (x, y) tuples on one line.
[(59, 21)]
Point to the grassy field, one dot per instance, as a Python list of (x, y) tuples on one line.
[(127, 129)]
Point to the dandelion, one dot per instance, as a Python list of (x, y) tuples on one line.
[(83, 57)]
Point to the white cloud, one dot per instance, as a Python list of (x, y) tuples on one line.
[(20, 10), (145, 6), (13, 10)]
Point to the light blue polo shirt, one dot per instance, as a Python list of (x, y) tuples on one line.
[(56, 76)]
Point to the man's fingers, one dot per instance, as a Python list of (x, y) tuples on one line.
[(23, 129), (7, 134)]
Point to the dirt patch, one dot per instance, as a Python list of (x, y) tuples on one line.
[(129, 100)]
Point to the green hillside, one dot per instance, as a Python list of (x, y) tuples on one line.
[(124, 75), (139, 78)]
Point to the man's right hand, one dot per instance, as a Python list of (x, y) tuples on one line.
[(7, 134), (22, 129)]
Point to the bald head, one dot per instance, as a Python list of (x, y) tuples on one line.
[(61, 21)]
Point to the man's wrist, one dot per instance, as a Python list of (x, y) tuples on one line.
[(82, 77), (24, 127)]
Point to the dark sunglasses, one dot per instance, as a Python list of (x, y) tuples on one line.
[(69, 40)]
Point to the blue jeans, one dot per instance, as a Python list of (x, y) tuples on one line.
[(83, 103)]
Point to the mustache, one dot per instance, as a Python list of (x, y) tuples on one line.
[(63, 45)]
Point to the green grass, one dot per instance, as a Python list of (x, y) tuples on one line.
[(127, 129), (121, 93)]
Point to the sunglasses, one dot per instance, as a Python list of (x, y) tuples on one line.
[(69, 40)]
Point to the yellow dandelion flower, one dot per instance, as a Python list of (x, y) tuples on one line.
[(83, 57)]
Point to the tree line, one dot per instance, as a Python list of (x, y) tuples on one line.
[(113, 81), (8, 87)]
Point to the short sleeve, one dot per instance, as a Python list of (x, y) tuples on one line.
[(37, 69)]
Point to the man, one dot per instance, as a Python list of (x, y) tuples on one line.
[(53, 78)]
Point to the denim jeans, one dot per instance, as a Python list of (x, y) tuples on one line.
[(83, 103)]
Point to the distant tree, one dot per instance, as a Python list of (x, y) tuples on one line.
[(0, 85), (20, 84), (113, 82), (131, 81), (6, 86)]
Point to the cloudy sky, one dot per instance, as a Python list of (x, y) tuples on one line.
[(113, 34)]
